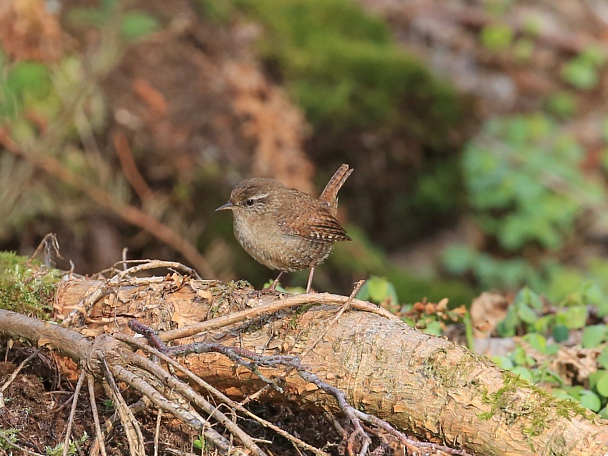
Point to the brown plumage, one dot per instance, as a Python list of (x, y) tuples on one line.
[(286, 229)]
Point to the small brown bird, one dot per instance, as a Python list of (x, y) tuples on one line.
[(286, 229)]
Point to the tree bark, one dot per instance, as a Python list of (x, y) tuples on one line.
[(421, 384)]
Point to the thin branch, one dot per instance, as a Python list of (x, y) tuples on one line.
[(68, 432), (129, 423), (274, 306), (98, 432)]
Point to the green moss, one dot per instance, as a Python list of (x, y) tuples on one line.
[(447, 374), (345, 70), (536, 407), (26, 286)]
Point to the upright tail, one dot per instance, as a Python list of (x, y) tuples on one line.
[(330, 193)]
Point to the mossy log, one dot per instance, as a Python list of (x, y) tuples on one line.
[(421, 384)]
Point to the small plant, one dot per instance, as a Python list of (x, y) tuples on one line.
[(73, 447), (430, 317), (8, 438), (546, 331)]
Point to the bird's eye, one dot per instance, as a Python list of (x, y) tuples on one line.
[(249, 202)]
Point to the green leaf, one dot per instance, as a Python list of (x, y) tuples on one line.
[(523, 372), (536, 341), (590, 400), (561, 333), (561, 394), (574, 391), (561, 104), (504, 362), (593, 336), (573, 317), (528, 297), (602, 359), (521, 358), (433, 328), (377, 287), (198, 444), (602, 384), (593, 293), (527, 315), (543, 324), (458, 258), (506, 328), (137, 24)]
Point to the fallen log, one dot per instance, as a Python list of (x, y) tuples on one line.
[(423, 385)]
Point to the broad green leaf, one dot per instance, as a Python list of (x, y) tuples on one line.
[(602, 384), (561, 333), (377, 287), (504, 362), (434, 328), (521, 358), (561, 394), (593, 336), (602, 359), (506, 328), (529, 297), (590, 400), (573, 317), (536, 341), (523, 372), (527, 315)]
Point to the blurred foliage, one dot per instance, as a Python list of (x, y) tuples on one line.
[(53, 109), (583, 70), (528, 192), (545, 334), (343, 67)]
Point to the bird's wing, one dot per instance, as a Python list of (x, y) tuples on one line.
[(318, 227)]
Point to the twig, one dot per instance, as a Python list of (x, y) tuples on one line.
[(98, 433), (68, 432), (159, 416), (342, 309), (14, 375), (130, 424), (144, 265), (274, 306)]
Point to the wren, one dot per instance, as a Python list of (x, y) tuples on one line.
[(286, 229)]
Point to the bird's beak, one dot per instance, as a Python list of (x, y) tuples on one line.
[(223, 207)]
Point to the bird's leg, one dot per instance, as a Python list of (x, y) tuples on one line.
[(310, 275), (272, 288)]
